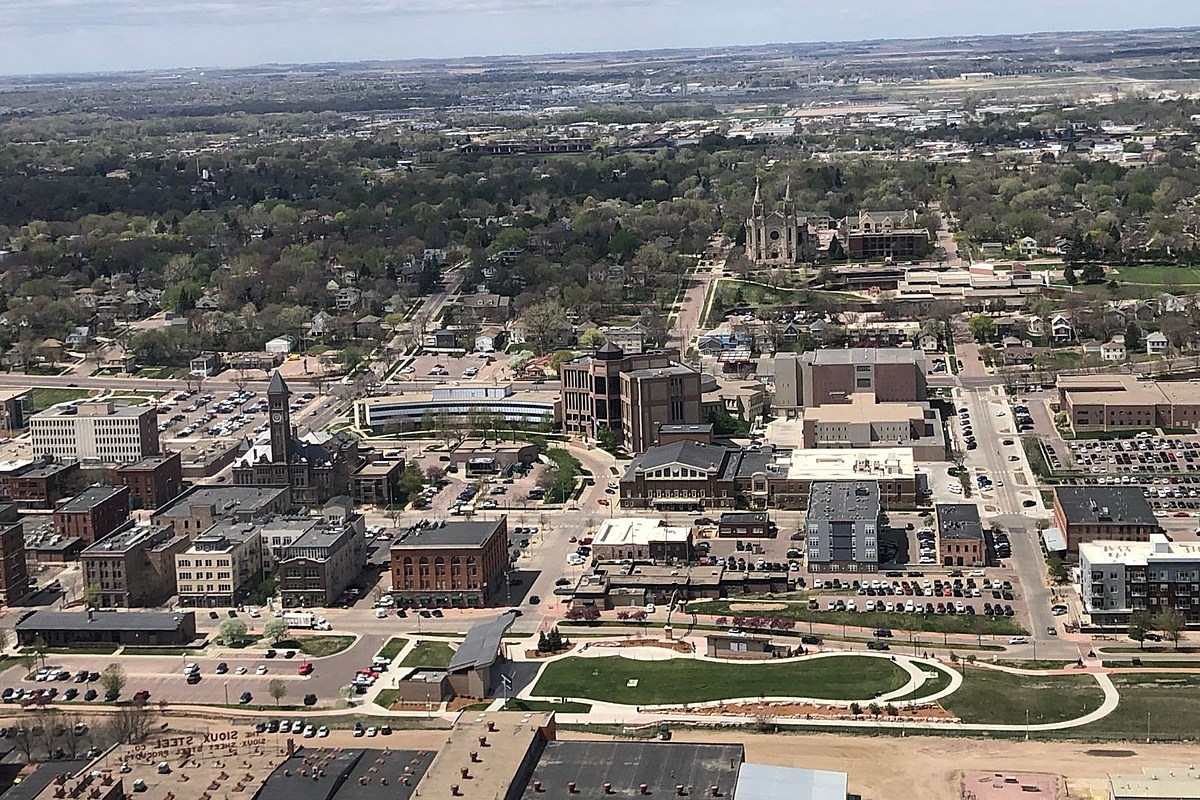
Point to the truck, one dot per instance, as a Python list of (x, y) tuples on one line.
[(299, 619)]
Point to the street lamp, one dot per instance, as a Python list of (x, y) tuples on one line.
[(226, 692)]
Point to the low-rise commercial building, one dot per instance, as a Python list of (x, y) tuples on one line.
[(960, 535), (36, 483), (744, 525), (318, 565), (1156, 783), (1094, 513), (641, 539), (441, 563), (1122, 402), (1118, 578), (694, 476), (221, 567), (126, 628), (153, 480), (842, 526), (477, 457), (93, 514), (98, 431), (375, 482), (133, 567), (830, 376)]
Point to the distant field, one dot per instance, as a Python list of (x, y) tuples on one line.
[(1158, 276)]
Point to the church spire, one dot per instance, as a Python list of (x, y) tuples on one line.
[(789, 206), (758, 203)]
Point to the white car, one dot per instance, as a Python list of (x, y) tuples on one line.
[(1018, 640), (240, 671), (262, 669), (254, 612), (322, 732), (955, 488), (380, 613), (190, 667), (649, 608)]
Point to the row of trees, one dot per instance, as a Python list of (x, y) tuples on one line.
[(1169, 622)]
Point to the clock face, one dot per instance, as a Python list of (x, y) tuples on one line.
[(277, 416)]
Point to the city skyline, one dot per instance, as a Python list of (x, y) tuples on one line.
[(115, 35)]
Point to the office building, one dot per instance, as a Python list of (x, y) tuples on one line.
[(201, 507), (595, 396), (507, 408), (125, 628), (744, 525), (14, 410), (960, 535), (451, 564), (153, 480), (842, 526), (1093, 513), (864, 423), (823, 377), (221, 567), (93, 514), (1156, 783), (95, 432), (327, 557), (317, 466), (1122, 402), (133, 567), (895, 235), (641, 539), (14, 571), (1118, 578), (375, 483)]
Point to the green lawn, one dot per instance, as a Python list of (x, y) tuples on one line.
[(1172, 701), (683, 680), (317, 646), (428, 654), (386, 697), (392, 648), (1002, 698), (934, 623), (43, 397), (1158, 276)]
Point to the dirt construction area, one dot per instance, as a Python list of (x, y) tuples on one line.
[(889, 767)]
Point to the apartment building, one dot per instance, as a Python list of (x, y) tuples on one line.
[(38, 483), (1103, 513), (451, 564), (221, 567), (93, 514), (14, 571), (885, 234), (842, 526), (201, 507), (1118, 578), (134, 566), (153, 480), (822, 377), (97, 432)]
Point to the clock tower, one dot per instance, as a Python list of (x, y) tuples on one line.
[(280, 419)]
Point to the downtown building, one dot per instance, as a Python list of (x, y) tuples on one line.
[(98, 432)]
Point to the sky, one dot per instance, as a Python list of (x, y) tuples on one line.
[(40, 36)]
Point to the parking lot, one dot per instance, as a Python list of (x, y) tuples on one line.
[(962, 592), (445, 368)]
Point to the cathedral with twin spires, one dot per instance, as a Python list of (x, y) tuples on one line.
[(778, 238)]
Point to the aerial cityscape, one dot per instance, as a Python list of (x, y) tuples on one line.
[(812, 420)]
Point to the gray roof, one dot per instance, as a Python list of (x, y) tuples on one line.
[(277, 384), (626, 765), (91, 497), (694, 454), (734, 517), (763, 782), (448, 534), (103, 620), (227, 500), (700, 427), (1104, 505), (959, 521), (654, 372), (481, 645), (843, 500), (865, 355), (344, 769)]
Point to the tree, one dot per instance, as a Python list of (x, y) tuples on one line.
[(232, 632), (1056, 568), (91, 595), (982, 327), (1140, 624), (543, 644), (434, 473), (1069, 275), (592, 339), (277, 688), (276, 630), (4, 641), (543, 322), (113, 680), (1092, 273), (1171, 622)]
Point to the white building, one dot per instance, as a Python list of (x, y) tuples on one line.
[(221, 567), (1112, 351), (409, 411), (1117, 578), (1156, 343), (95, 432), (280, 345)]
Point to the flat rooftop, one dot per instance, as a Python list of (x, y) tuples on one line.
[(125, 539), (95, 409), (42, 620), (625, 531), (352, 774), (148, 462), (1157, 783), (1160, 549), (1104, 505), (379, 468), (509, 736), (844, 500), (863, 408), (446, 533), (90, 498), (848, 464), (959, 521), (865, 355), (625, 766), (225, 500)]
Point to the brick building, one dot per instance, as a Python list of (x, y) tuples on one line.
[(38, 482), (93, 514), (201, 507), (318, 565), (152, 481), (448, 564), (641, 539), (14, 572), (1108, 513), (960, 535), (822, 377), (134, 566), (884, 234)]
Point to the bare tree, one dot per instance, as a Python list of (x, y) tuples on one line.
[(22, 738)]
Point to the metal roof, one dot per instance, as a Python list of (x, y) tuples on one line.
[(103, 620), (481, 645), (763, 782)]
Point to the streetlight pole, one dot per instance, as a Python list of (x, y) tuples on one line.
[(1027, 724), (1147, 727), (226, 692)]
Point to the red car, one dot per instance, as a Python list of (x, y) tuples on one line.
[(305, 668), (603, 501)]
